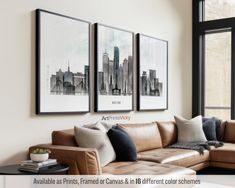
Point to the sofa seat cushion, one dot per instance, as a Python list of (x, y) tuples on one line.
[(178, 157), (229, 132), (144, 168), (225, 153)]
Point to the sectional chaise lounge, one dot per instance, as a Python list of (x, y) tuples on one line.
[(154, 158)]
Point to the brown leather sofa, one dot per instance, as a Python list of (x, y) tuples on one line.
[(154, 158)]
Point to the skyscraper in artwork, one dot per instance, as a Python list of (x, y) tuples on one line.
[(68, 82), (125, 81), (116, 90), (116, 65), (111, 76), (106, 69), (86, 75), (120, 78), (144, 83), (115, 78), (130, 74)]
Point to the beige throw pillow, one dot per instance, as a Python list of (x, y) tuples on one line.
[(90, 138), (104, 127), (190, 130)]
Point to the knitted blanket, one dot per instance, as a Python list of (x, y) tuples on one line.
[(197, 146)]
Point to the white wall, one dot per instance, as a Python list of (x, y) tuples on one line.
[(19, 126)]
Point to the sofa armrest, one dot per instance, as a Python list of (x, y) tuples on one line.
[(84, 161)]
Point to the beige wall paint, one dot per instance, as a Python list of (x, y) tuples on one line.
[(19, 126)]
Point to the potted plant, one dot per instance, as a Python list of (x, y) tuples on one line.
[(39, 155)]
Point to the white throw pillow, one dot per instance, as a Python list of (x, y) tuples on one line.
[(90, 138), (190, 130)]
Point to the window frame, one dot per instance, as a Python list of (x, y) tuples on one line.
[(200, 29)]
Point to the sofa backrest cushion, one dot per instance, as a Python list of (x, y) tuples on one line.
[(64, 138), (229, 132), (145, 136), (168, 132), (222, 130)]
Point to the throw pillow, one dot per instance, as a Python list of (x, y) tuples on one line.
[(209, 128), (123, 145), (218, 126), (190, 130), (90, 138), (104, 127)]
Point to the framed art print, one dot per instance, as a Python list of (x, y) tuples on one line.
[(113, 69), (62, 63), (152, 73)]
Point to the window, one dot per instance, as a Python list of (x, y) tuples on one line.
[(218, 75), (217, 9), (214, 58)]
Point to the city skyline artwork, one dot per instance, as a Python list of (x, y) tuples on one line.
[(63, 63), (114, 74), (152, 65)]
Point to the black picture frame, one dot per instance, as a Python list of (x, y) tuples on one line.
[(96, 67), (70, 91), (139, 93)]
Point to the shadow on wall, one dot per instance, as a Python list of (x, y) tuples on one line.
[(32, 106), (17, 157), (184, 58)]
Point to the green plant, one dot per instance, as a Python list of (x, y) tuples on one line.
[(41, 151)]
